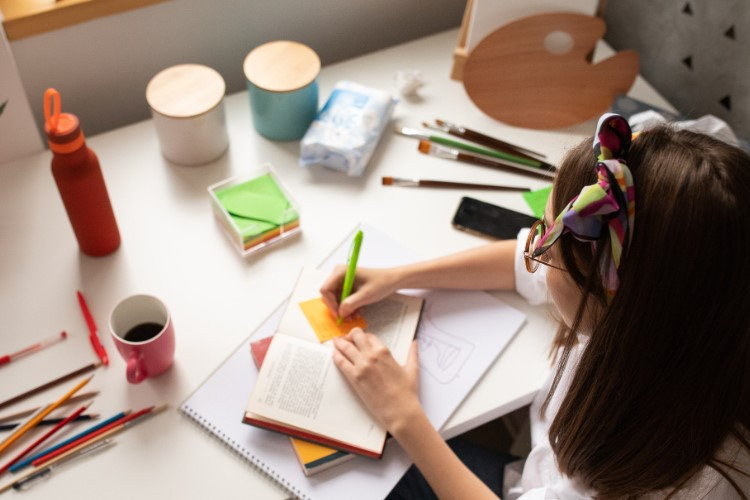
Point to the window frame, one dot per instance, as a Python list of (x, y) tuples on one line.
[(24, 18)]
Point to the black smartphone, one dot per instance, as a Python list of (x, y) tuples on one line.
[(477, 216)]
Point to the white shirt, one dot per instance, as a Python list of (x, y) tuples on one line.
[(541, 478)]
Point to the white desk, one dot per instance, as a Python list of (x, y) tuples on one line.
[(173, 248)]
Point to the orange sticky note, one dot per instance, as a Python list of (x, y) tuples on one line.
[(323, 322)]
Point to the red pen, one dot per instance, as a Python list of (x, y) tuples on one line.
[(93, 331)]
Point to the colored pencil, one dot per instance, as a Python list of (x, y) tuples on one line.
[(20, 465), (50, 384), (44, 437), (25, 413), (51, 421), (38, 417), (102, 433), (433, 149), (31, 418), (26, 480), (396, 181), (33, 348)]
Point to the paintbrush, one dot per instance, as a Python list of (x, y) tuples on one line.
[(396, 181), (418, 134), (432, 149), (484, 139)]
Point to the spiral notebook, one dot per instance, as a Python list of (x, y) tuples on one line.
[(456, 346)]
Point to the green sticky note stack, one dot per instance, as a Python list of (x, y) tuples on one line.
[(259, 209)]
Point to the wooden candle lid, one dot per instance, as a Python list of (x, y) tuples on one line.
[(281, 66), (185, 90)]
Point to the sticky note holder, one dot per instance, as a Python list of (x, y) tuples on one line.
[(255, 210)]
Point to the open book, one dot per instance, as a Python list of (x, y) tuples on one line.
[(312, 457), (300, 392)]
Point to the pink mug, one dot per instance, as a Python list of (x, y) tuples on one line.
[(143, 332)]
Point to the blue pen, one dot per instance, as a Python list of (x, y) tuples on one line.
[(24, 463)]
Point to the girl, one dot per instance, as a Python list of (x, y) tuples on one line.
[(646, 250)]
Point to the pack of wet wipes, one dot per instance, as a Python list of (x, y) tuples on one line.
[(347, 129)]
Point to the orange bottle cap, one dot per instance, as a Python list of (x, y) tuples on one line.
[(63, 129)]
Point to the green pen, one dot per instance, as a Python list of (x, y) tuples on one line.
[(351, 270)]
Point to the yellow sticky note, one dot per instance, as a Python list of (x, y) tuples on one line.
[(323, 322)]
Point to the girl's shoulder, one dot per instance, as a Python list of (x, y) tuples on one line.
[(709, 483)]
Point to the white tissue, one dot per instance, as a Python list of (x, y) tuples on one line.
[(408, 82), (707, 124)]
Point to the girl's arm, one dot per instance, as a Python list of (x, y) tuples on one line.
[(389, 391), (489, 267), (446, 474)]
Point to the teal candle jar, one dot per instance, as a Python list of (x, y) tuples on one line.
[(283, 88)]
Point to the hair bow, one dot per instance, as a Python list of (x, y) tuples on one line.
[(607, 205)]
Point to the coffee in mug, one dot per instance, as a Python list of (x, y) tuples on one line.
[(143, 333)]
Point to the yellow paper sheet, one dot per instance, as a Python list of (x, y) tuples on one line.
[(323, 322)]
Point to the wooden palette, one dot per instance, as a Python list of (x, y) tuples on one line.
[(512, 76)]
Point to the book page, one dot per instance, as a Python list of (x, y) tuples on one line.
[(299, 386)]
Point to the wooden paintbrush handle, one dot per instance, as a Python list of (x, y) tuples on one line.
[(469, 185), (491, 142), (486, 162)]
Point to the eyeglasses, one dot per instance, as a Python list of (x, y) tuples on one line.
[(538, 229)]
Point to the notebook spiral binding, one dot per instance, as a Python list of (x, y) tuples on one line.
[(240, 450)]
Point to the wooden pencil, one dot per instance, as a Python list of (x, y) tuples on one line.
[(44, 437), (25, 413), (28, 461), (50, 384), (50, 421), (100, 434), (40, 415)]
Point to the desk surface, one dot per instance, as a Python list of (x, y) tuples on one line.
[(173, 248)]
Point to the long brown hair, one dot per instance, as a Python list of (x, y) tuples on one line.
[(665, 377)]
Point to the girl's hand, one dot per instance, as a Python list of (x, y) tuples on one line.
[(370, 285), (388, 390)]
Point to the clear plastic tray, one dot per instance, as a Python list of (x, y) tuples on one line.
[(256, 210)]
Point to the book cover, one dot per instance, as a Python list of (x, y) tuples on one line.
[(300, 392)]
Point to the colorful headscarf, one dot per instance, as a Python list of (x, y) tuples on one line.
[(608, 204)]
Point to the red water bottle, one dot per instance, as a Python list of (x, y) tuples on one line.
[(79, 179)]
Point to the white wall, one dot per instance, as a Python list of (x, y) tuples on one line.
[(101, 67), (18, 137)]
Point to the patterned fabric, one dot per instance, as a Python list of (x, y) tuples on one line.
[(607, 205)]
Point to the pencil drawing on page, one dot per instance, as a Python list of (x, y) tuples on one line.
[(441, 354)]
